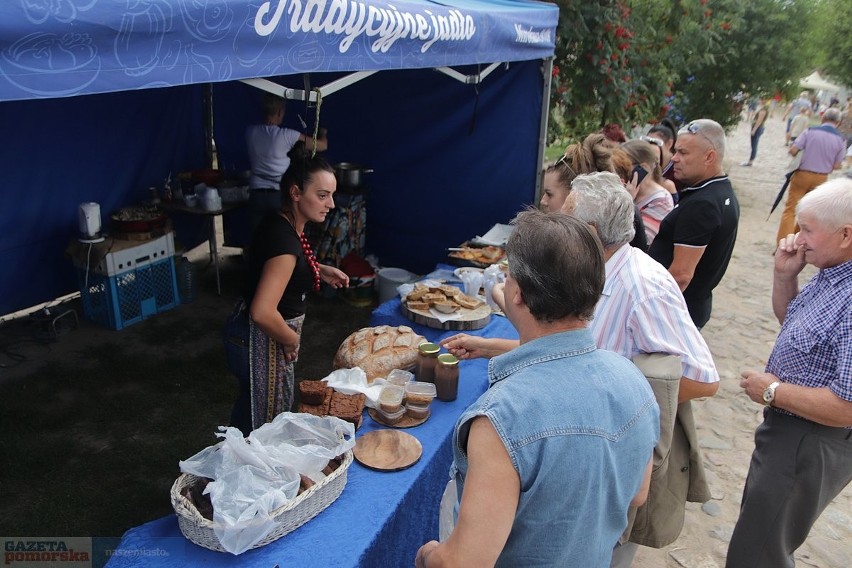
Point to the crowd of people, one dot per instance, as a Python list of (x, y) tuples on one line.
[(610, 281), (648, 305)]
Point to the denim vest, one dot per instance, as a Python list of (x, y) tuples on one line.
[(579, 424)]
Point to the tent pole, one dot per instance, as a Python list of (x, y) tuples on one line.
[(210, 144), (547, 71), (307, 94)]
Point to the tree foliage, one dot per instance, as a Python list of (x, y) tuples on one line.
[(633, 61), (832, 38)]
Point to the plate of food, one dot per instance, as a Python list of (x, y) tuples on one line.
[(477, 256), (466, 311)]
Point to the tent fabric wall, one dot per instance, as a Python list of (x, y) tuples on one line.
[(450, 159), (59, 153), (141, 66)]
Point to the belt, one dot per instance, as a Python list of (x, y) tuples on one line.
[(813, 172), (264, 189), (803, 423)]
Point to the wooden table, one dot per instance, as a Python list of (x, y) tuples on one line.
[(179, 207)]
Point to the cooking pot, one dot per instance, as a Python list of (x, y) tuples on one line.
[(349, 174)]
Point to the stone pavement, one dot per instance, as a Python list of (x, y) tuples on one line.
[(741, 334)]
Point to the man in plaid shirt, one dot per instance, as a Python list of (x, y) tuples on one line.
[(803, 449)]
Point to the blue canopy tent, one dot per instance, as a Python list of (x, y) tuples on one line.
[(447, 101)]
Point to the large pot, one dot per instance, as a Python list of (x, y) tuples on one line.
[(349, 174)]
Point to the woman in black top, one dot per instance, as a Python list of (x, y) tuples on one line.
[(282, 269)]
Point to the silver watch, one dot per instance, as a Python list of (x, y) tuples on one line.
[(769, 393)]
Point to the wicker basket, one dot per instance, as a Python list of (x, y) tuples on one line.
[(289, 516)]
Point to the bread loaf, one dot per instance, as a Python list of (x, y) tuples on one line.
[(379, 350)]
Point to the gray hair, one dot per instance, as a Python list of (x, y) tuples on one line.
[(711, 131), (601, 200), (831, 115), (558, 264), (830, 203)]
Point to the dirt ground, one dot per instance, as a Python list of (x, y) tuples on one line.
[(740, 334)]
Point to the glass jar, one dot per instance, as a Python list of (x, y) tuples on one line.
[(427, 359), (447, 377)]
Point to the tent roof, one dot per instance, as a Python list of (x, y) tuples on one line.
[(815, 81), (76, 47)]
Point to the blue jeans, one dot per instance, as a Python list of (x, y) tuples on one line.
[(755, 138)]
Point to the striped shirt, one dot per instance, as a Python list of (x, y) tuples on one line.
[(654, 209), (814, 346), (642, 310)]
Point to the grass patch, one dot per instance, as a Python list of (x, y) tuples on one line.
[(93, 451)]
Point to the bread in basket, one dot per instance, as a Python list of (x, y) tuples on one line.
[(289, 517)]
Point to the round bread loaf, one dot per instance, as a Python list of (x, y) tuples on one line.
[(379, 350)]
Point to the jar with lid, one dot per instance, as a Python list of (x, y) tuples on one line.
[(427, 360), (447, 377)]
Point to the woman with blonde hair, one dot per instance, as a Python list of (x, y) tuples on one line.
[(653, 200)]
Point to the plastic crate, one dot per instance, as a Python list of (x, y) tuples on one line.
[(148, 252), (129, 297)]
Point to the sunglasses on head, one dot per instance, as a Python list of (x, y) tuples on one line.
[(651, 140), (694, 128), (564, 162)]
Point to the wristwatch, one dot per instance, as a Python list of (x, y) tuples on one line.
[(769, 393)]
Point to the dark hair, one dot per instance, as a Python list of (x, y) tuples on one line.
[(558, 264), (272, 104), (667, 128), (300, 173)]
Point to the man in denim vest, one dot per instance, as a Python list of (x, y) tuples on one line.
[(551, 456)]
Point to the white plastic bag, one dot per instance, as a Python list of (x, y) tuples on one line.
[(255, 476)]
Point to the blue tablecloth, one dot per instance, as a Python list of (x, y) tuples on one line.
[(380, 519)]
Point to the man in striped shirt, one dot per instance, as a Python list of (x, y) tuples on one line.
[(803, 449), (641, 309)]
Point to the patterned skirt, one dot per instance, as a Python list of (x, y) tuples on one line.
[(271, 376)]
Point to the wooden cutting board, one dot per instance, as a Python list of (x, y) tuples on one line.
[(387, 450), (476, 318)]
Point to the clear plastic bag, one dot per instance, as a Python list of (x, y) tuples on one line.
[(491, 276), (254, 476)]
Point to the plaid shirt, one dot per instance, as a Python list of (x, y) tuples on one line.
[(814, 346)]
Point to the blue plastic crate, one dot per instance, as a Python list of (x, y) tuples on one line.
[(129, 297)]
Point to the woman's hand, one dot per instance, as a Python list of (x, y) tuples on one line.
[(334, 277), (291, 351), (498, 294)]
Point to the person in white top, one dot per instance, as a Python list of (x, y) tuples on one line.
[(269, 145), (641, 309)]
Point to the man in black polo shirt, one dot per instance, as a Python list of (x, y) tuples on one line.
[(697, 238)]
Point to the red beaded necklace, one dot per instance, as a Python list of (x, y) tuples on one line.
[(309, 253), (312, 260)]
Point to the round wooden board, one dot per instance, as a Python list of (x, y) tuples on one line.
[(406, 422), (387, 450), (476, 318)]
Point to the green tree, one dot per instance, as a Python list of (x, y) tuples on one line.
[(631, 60), (758, 53), (832, 39)]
